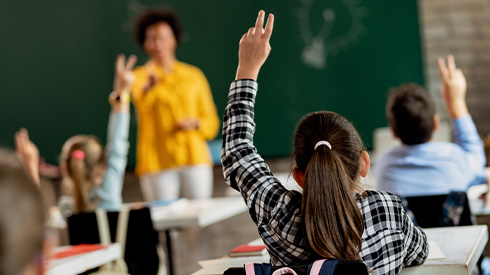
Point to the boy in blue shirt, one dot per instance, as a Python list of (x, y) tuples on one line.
[(420, 167)]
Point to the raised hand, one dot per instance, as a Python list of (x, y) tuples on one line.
[(123, 77), (453, 87), (28, 154), (254, 48)]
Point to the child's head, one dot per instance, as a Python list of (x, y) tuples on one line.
[(411, 114), (330, 175), (22, 220), (83, 161)]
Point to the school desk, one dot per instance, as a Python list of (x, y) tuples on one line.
[(461, 245), (200, 213), (82, 262)]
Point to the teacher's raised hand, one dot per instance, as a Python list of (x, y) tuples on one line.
[(254, 48)]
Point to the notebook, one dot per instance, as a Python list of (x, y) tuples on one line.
[(246, 250)]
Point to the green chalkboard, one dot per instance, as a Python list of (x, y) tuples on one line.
[(56, 62)]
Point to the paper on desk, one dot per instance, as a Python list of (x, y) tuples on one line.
[(435, 252), (218, 266), (160, 211)]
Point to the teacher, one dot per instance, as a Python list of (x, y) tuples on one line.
[(176, 115)]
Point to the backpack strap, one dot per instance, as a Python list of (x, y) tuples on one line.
[(258, 269), (284, 270), (323, 267), (250, 268), (316, 266)]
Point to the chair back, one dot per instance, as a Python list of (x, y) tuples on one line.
[(140, 251), (439, 210)]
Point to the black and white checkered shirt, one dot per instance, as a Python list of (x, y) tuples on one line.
[(389, 240)]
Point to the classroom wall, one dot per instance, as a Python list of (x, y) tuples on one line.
[(463, 29), (56, 62)]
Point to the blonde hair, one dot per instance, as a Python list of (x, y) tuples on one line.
[(82, 168)]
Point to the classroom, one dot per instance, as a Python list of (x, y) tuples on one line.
[(152, 150)]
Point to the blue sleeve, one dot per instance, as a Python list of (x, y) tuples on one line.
[(109, 193), (466, 136)]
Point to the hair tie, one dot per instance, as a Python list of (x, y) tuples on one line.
[(78, 154), (323, 142)]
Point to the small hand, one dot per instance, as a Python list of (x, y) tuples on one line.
[(28, 154), (188, 124), (123, 77), (152, 81), (453, 87), (152, 78), (254, 48)]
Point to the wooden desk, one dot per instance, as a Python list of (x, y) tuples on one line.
[(199, 213), (80, 263), (462, 246)]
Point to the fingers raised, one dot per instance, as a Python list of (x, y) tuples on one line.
[(120, 62), (451, 64), (131, 62), (251, 32), (259, 23), (442, 67), (269, 26)]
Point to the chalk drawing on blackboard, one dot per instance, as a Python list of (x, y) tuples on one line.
[(326, 40), (134, 8)]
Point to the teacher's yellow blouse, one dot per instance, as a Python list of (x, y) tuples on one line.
[(182, 93)]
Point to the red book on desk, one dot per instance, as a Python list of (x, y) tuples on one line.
[(77, 249), (246, 250)]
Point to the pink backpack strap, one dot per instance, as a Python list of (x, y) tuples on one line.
[(284, 270), (315, 268), (249, 268)]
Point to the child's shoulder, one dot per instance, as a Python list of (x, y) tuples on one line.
[(380, 199)]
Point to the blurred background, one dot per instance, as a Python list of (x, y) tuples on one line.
[(57, 64)]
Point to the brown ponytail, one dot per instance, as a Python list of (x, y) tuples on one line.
[(332, 221), (82, 155)]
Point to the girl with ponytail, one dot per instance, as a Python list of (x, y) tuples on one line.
[(334, 217), (95, 176), (91, 177)]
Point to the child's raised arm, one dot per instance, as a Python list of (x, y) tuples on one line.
[(254, 48)]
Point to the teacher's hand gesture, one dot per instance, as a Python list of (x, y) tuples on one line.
[(254, 48)]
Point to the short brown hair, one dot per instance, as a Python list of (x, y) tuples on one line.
[(22, 217), (153, 16), (410, 112)]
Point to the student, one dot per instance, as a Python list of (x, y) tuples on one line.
[(334, 217), (22, 218), (420, 167), (97, 176), (176, 115)]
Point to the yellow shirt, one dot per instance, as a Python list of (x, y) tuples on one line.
[(182, 93)]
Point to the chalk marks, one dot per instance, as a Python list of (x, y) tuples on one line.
[(326, 27), (134, 8)]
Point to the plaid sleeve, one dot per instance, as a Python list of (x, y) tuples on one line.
[(274, 209), (243, 168), (390, 239), (415, 242)]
